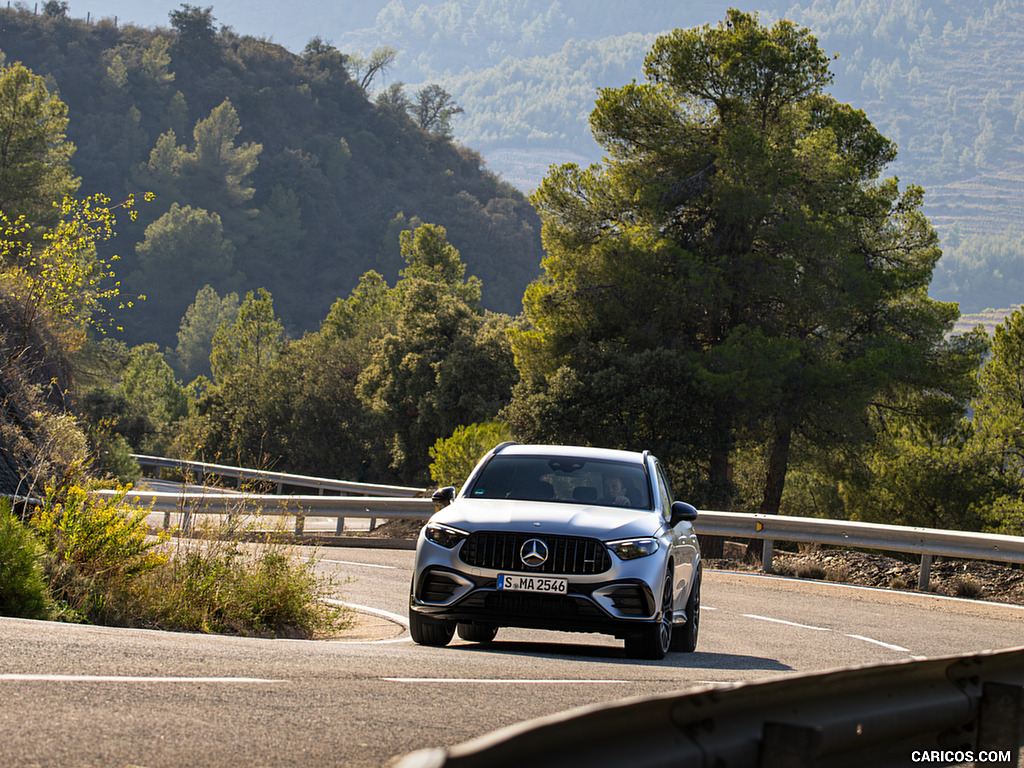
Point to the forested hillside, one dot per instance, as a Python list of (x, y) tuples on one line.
[(270, 169)]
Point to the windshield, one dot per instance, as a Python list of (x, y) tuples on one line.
[(566, 479)]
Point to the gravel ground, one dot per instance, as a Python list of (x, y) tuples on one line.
[(977, 579)]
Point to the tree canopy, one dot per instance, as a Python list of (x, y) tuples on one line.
[(738, 243), (35, 154)]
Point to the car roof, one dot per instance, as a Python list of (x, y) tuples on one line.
[(584, 452)]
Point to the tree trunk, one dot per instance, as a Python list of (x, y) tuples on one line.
[(775, 476), (719, 481), (778, 463)]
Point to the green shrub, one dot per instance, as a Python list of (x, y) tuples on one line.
[(96, 548), (455, 457), (217, 584), (104, 567), (23, 590)]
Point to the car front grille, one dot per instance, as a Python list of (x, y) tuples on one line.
[(566, 554)]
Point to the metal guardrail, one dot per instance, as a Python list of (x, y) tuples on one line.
[(188, 505), (203, 469), (947, 711), (928, 542)]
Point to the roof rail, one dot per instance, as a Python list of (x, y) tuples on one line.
[(502, 446)]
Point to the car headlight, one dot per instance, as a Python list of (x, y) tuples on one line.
[(631, 549), (443, 535)]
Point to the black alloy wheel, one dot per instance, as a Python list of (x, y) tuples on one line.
[(655, 640)]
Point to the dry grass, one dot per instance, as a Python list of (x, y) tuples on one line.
[(103, 567)]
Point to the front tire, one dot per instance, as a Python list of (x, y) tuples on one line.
[(685, 637), (428, 631), (655, 640)]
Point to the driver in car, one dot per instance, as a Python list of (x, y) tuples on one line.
[(614, 492)]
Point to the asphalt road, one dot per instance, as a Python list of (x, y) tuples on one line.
[(88, 696)]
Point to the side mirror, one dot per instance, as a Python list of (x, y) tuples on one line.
[(442, 497), (682, 511)]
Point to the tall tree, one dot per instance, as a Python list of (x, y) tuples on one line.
[(444, 364), (740, 236), (195, 334), (35, 155), (152, 392), (366, 68), (250, 343), (196, 43), (183, 249), (434, 109), (998, 415), (230, 418)]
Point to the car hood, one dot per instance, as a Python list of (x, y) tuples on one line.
[(605, 523)]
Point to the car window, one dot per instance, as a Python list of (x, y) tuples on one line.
[(567, 479), (664, 492)]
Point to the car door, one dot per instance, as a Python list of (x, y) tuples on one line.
[(684, 540)]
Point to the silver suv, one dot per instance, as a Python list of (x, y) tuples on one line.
[(565, 538)]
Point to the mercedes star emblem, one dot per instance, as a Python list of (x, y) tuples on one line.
[(534, 553)]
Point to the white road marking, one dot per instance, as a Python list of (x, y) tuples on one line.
[(375, 611), (788, 623), (890, 646), (127, 679), (497, 680), (365, 565)]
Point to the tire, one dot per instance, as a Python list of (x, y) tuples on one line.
[(428, 631), (655, 640), (476, 633), (685, 636)]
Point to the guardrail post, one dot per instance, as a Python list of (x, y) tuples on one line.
[(924, 576), (784, 745), (300, 523), (341, 526), (167, 519), (1000, 719), (767, 550)]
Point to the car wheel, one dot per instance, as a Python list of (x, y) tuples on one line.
[(428, 631), (477, 633), (685, 637), (655, 639)]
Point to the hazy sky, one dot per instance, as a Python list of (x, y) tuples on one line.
[(291, 24)]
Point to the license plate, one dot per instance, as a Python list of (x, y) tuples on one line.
[(518, 583)]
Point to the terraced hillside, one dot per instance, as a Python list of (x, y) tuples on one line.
[(986, 204), (988, 319)]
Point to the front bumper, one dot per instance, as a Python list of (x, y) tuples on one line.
[(613, 603)]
